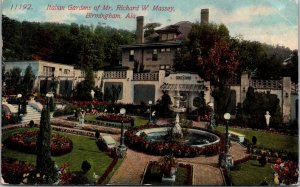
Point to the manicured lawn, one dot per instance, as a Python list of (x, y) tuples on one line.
[(268, 140), (84, 148), (139, 121), (252, 174)]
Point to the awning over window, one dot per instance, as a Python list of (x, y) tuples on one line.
[(183, 87)]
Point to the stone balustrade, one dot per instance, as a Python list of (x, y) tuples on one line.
[(115, 75), (145, 76), (266, 84)]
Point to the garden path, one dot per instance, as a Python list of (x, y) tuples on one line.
[(206, 170)]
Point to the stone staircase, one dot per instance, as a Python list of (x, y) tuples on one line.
[(32, 114)]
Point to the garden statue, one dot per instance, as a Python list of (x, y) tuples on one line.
[(81, 117), (267, 116), (92, 94)]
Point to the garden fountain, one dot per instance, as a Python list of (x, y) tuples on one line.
[(175, 138), (176, 130)]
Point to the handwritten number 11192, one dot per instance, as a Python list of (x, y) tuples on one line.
[(20, 7)]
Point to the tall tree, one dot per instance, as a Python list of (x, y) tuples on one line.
[(28, 81), (44, 163)]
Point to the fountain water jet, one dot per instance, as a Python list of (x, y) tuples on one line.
[(176, 130)]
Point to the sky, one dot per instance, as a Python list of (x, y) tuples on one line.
[(269, 21)]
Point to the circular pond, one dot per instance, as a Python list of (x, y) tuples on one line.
[(193, 137), (156, 140)]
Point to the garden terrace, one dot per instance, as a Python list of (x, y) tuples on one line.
[(134, 141)]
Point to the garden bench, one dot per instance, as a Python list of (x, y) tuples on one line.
[(236, 136)]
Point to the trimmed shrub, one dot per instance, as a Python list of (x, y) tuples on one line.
[(85, 166)]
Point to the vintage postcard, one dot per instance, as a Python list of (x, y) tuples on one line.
[(149, 92)]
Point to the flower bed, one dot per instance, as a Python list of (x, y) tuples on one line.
[(85, 104), (286, 172), (115, 118), (101, 129), (153, 175), (74, 131), (63, 123), (13, 172), (179, 150), (26, 142)]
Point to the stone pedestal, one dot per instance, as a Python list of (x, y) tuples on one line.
[(227, 161)]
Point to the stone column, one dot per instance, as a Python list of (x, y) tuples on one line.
[(286, 99)]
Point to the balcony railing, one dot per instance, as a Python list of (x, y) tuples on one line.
[(145, 76), (114, 75), (266, 84)]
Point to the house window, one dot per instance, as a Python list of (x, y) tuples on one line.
[(170, 36), (162, 67), (168, 49), (131, 55), (66, 71), (163, 50), (154, 55), (48, 71), (167, 67)]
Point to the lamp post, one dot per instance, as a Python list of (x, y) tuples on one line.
[(19, 96), (212, 115), (150, 103), (227, 160), (121, 151)]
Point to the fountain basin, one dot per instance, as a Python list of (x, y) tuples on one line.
[(196, 142), (194, 137)]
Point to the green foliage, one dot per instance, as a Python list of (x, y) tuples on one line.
[(255, 106), (44, 163), (97, 134), (254, 140), (263, 160), (224, 100), (164, 104), (85, 166), (83, 45), (51, 104), (83, 89), (28, 81), (112, 94)]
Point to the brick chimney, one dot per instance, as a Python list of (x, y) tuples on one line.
[(139, 29), (204, 16)]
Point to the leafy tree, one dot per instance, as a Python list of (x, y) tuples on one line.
[(221, 63), (83, 89), (14, 81), (150, 28), (44, 164), (200, 103), (28, 81), (255, 106), (165, 102)]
